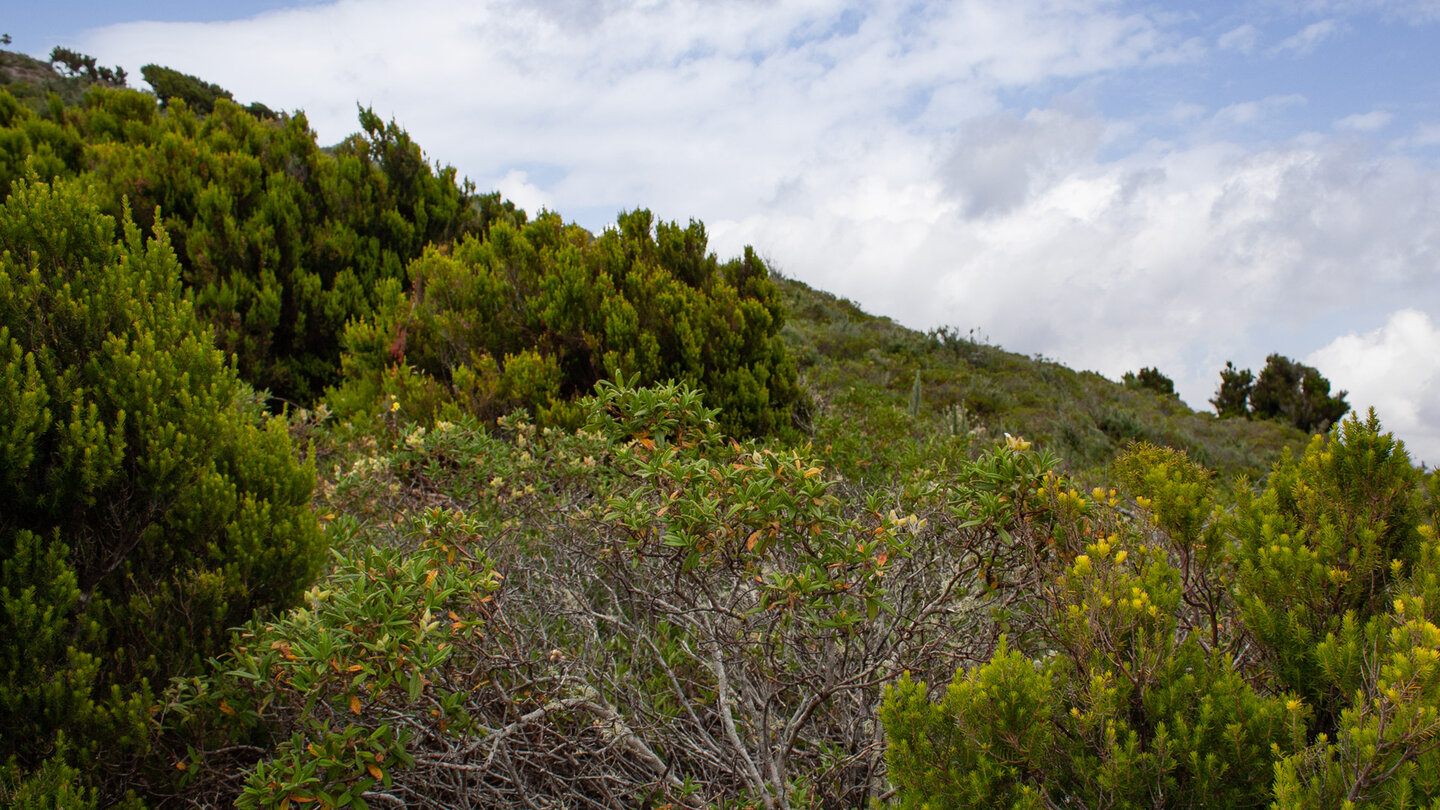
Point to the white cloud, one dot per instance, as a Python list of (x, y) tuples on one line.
[(1308, 38), (1396, 370), (1365, 122), (1241, 38), (1424, 135), (516, 187), (1246, 113)]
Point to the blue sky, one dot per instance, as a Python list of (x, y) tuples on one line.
[(1110, 184)]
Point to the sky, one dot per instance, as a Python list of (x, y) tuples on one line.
[(1103, 183)]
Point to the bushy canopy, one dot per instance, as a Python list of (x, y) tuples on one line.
[(535, 315), (148, 506)]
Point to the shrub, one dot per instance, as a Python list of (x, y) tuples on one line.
[(148, 505), (535, 315), (1151, 379), (281, 242), (197, 94), (1282, 653)]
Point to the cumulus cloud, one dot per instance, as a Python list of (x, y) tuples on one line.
[(1396, 370)]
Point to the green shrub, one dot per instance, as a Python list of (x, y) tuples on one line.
[(148, 505), (1283, 653), (534, 316), (1150, 379), (282, 242), (197, 94)]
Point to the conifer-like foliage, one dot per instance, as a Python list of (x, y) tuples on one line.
[(1150, 379), (148, 505), (533, 316), (1281, 653), (281, 241), (198, 94), (1285, 390)]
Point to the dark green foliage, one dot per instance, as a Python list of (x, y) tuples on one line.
[(32, 142), (281, 242), (1150, 379), (148, 506), (198, 94), (1233, 398), (1297, 394), (534, 315), (78, 64), (1285, 390)]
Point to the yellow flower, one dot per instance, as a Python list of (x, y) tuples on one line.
[(1016, 443)]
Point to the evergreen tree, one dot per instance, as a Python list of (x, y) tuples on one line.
[(1233, 398), (1297, 394)]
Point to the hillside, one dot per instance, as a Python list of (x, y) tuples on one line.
[(331, 482), (861, 372)]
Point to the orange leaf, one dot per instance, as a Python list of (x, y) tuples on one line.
[(430, 578), (313, 749), (354, 704), (648, 444), (750, 543), (226, 708), (375, 770)]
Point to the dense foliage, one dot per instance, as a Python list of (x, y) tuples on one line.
[(1285, 390), (1150, 379), (148, 506), (534, 316), (1281, 653), (281, 241), (198, 94)]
